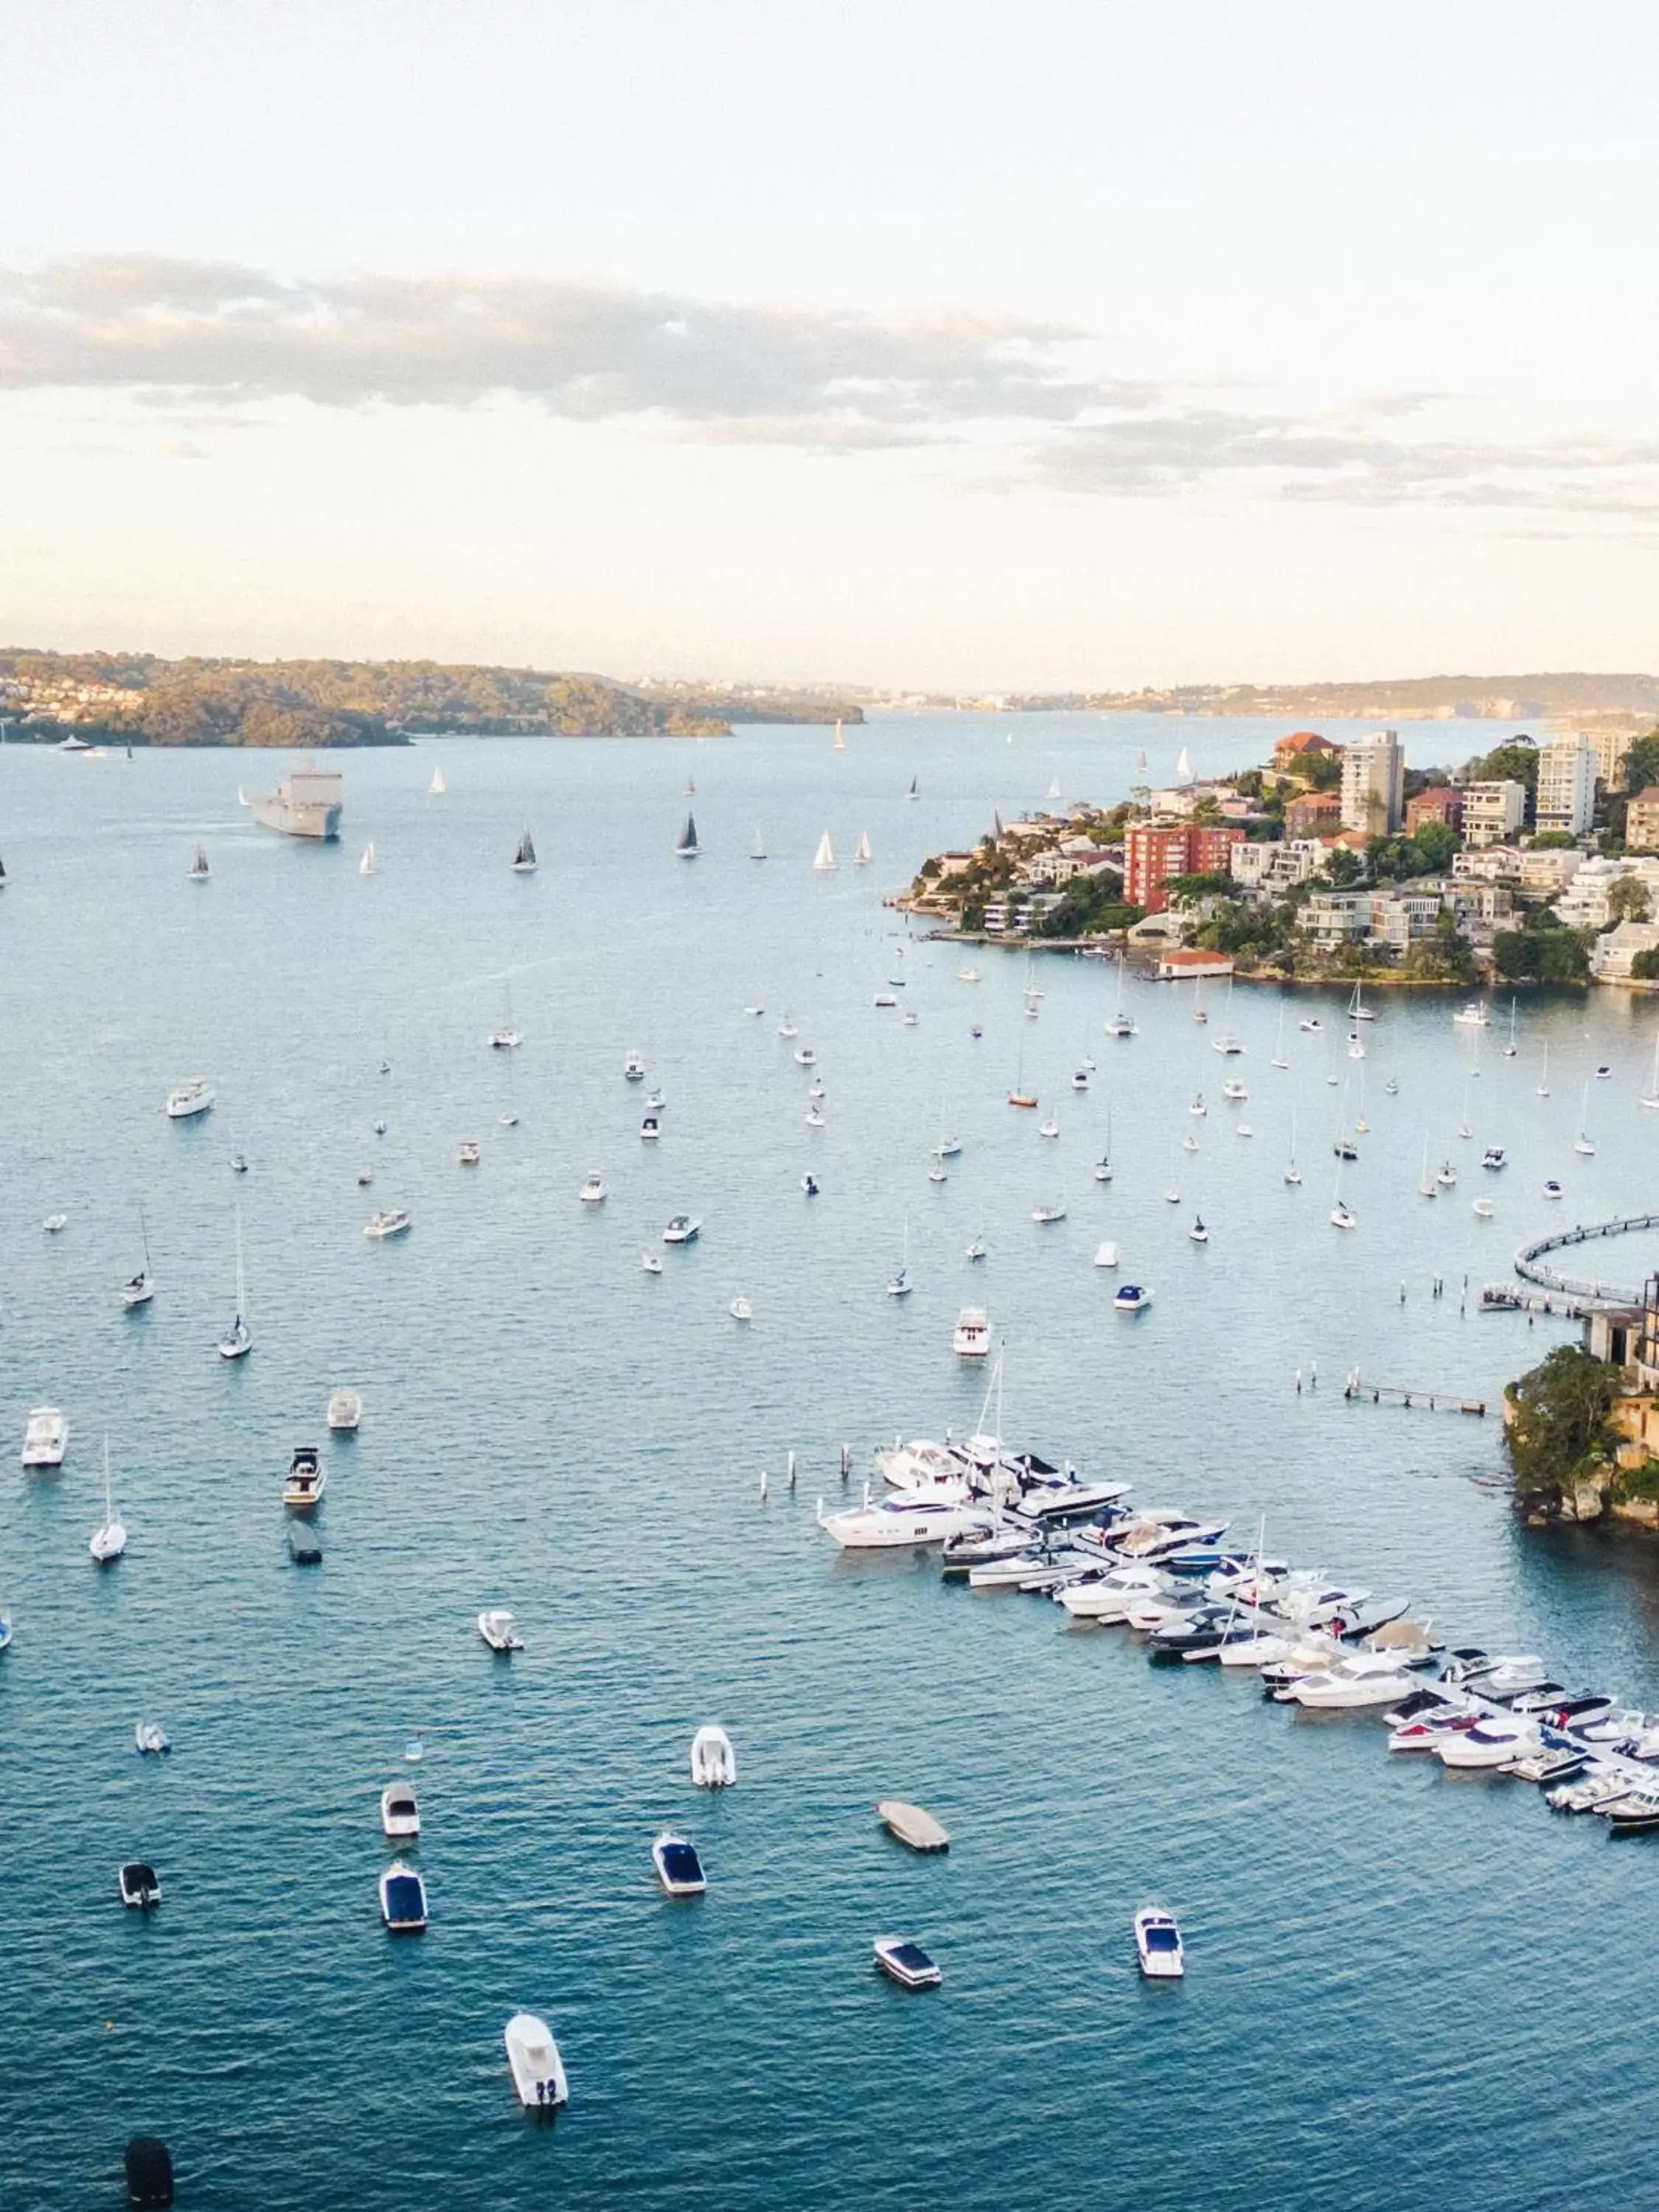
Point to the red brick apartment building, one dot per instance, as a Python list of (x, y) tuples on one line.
[(1155, 852)]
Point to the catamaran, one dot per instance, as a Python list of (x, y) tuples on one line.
[(524, 860), (686, 847), (238, 1340), (824, 858)]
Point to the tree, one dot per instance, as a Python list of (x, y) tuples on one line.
[(1436, 841), (1342, 868), (1642, 764), (1628, 900), (1644, 968), (1553, 841), (1557, 1431), (1516, 761), (1322, 771)]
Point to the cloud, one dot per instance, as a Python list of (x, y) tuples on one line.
[(1006, 403)]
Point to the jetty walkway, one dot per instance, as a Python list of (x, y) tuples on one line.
[(1585, 1293)]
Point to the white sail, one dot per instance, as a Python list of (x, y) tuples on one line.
[(1184, 767), (861, 857), (1141, 762), (524, 860), (370, 863), (1054, 788), (824, 858), (436, 787), (840, 742), (759, 853)]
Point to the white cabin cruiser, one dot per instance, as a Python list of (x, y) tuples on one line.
[(1158, 1941), (1107, 1598), (906, 1519), (189, 1098), (682, 1229), (593, 1192), (388, 1221), (345, 1412), (972, 1337), (679, 1870), (45, 1437), (714, 1762), (496, 1627), (532, 2057), (400, 1811)]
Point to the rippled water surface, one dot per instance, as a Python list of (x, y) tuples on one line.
[(1396, 1975)]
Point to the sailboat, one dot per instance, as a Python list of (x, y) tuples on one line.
[(507, 1038), (914, 792), (1428, 1188), (861, 851), (1278, 1058), (242, 798), (1341, 1217), (686, 847), (1362, 1127), (1119, 1025), (1103, 1164), (1510, 1048), (524, 860), (436, 788), (370, 863), (1292, 1173), (1544, 1080), (1463, 1128), (824, 858), (759, 851), (841, 741), (1019, 1095), (689, 790), (1650, 1095), (197, 870), (900, 1285), (1581, 1142), (3, 875), (1227, 1043), (1054, 788), (1357, 1010), (238, 1340), (109, 1541), (138, 1290), (1141, 762)]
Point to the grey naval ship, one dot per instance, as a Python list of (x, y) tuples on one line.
[(307, 804)]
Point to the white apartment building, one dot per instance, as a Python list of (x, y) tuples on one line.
[(1277, 868), (1583, 904), (1492, 812), (1543, 874), (1612, 749), (1566, 784), (1374, 784)]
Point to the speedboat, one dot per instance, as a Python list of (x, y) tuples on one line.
[(1107, 1598), (1197, 1233), (740, 1309), (1080, 1080), (1553, 1189), (905, 1962), (1494, 1156), (402, 1899), (388, 1221), (907, 1519), (1494, 1743), (1131, 1297), (678, 1868), (532, 2057), (1635, 1813), (302, 1492), (188, 1098), (305, 1545), (633, 1067), (593, 1190), (496, 1628), (650, 1262), (971, 1338), (345, 1412), (1158, 1941), (714, 1762), (808, 1183), (885, 999), (1106, 1253), (505, 1040), (650, 1129), (805, 1056), (54, 1223), (682, 1229), (140, 1886), (149, 1739), (45, 1437), (1234, 1089), (467, 1153), (400, 1811), (1046, 1213)]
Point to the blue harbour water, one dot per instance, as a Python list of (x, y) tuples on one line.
[(1405, 1987)]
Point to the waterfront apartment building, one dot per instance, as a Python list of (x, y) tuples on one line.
[(1374, 784), (1566, 784), (1493, 811), (1642, 821), (1442, 802), (1316, 814), (1274, 869), (1156, 853)]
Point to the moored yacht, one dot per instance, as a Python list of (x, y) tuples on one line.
[(388, 1221), (905, 1962), (906, 1519), (679, 1870), (402, 1899), (532, 2058), (187, 1099), (302, 1492), (345, 1412), (1158, 1945), (109, 1539), (972, 1336), (400, 1811), (712, 1761), (45, 1437), (496, 1626), (682, 1229)]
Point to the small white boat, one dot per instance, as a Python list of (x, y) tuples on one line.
[(971, 1337), (786, 1027), (1341, 1217), (109, 1539), (758, 852), (1484, 1209), (1494, 1743), (1047, 1213), (1197, 1233), (650, 1130), (885, 999), (1131, 1297), (678, 1868), (533, 2060), (740, 1309), (45, 1437), (1050, 1128), (1158, 1941), (388, 1221), (634, 1067), (650, 1262), (1553, 1189), (1234, 1089), (187, 1099), (436, 788), (467, 1154), (400, 1811), (911, 1825), (370, 863), (1474, 1016), (140, 1886), (505, 1039), (682, 1229), (714, 1763), (1106, 1254), (805, 1056), (815, 1117), (402, 1899), (149, 1739), (593, 1192), (496, 1626), (976, 1249), (968, 975), (905, 1962), (345, 1412), (55, 1224), (306, 1481)]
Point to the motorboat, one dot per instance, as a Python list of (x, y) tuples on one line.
[(922, 1464), (1158, 1943), (345, 1412), (402, 1899), (678, 1868), (302, 1492), (650, 1262), (1427, 1731), (1621, 1724), (633, 1067), (907, 1519), (1474, 1016), (968, 975), (1494, 1156), (1342, 1216), (885, 999), (904, 1961), (786, 1028), (400, 1811), (239, 1164), (1233, 1089), (305, 1545), (496, 1626), (912, 1827), (948, 1148), (1602, 1785), (1494, 1743), (1364, 1679), (1049, 1128), (1107, 1597), (654, 1101), (682, 1229), (971, 1338), (938, 1172), (533, 2060), (1311, 1024), (1106, 1253), (1103, 1169), (1080, 1080), (714, 1762), (45, 1437), (650, 1129), (1151, 1535), (805, 1056), (505, 1039), (147, 2163), (808, 1183), (1059, 1496), (1047, 1213), (592, 1191), (467, 1153), (388, 1221), (1635, 1813), (899, 1285), (149, 1739), (55, 1224), (1197, 1110), (1553, 1189), (1483, 1209), (189, 1098), (140, 1886), (740, 1309), (1131, 1297), (976, 1249), (1198, 1234), (109, 1539), (1502, 1679)]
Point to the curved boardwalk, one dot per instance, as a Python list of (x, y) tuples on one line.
[(1528, 1260)]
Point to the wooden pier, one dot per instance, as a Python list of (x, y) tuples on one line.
[(1393, 1393)]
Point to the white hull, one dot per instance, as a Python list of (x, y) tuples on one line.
[(532, 2056)]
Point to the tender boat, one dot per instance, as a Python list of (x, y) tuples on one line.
[(345, 1412), (1047, 1213), (740, 1309), (388, 1221), (682, 1229), (972, 1337), (1131, 1297), (712, 1761), (593, 1190), (189, 1098), (905, 1962), (140, 1886), (400, 1811), (911, 1825), (466, 1152), (496, 1627), (1157, 1943), (402, 1899), (149, 1739), (532, 2058), (45, 1437), (650, 1129), (678, 1868), (307, 1480), (54, 1223)]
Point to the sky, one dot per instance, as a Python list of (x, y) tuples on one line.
[(955, 344)]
